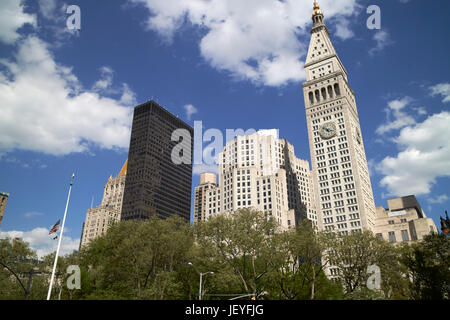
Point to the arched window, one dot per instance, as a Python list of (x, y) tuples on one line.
[(337, 91), (324, 93), (311, 98), (317, 95), (330, 91)]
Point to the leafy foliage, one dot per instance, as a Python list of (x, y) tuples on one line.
[(247, 255)]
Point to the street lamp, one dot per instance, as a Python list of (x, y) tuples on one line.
[(445, 224), (30, 278), (201, 276), (251, 295)]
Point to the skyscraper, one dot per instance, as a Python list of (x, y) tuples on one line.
[(100, 218), (208, 182), (341, 176), (155, 183), (3, 200), (261, 171)]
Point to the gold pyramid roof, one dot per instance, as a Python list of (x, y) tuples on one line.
[(124, 169)]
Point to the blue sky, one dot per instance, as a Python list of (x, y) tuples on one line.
[(66, 97)]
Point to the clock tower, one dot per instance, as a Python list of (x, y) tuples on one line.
[(341, 177)]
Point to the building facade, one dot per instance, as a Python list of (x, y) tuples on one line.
[(403, 221), (208, 182), (100, 218), (261, 171), (3, 200), (155, 184), (341, 178)]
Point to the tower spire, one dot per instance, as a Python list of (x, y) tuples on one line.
[(317, 15)]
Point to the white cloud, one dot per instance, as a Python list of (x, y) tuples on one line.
[(423, 157), (382, 39), (42, 242), (47, 8), (439, 199), (106, 79), (258, 40), (45, 109), (420, 111), (190, 110), (12, 18), (202, 168), (343, 30), (396, 111), (442, 89), (33, 214)]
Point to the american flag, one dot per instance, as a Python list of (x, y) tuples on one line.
[(55, 227)]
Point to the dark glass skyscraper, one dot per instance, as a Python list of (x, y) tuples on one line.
[(154, 183)]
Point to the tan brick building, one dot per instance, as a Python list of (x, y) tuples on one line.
[(3, 200), (100, 218), (403, 221), (208, 182)]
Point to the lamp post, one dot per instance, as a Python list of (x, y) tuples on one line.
[(445, 224), (201, 276), (30, 278), (254, 296)]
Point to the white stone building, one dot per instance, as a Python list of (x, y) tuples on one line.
[(341, 178), (261, 171)]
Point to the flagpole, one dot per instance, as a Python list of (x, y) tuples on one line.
[(59, 242)]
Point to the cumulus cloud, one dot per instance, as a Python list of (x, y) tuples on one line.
[(12, 18), (423, 157), (42, 242), (106, 79), (263, 41), (202, 168), (190, 110), (343, 30), (382, 40), (439, 199), (47, 8), (45, 109), (442, 89), (397, 118)]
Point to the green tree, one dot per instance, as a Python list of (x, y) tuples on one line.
[(15, 255), (298, 264), (427, 264), (137, 259), (241, 241), (353, 254)]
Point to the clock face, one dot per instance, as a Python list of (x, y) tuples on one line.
[(328, 130)]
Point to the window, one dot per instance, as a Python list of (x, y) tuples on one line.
[(402, 220), (405, 236), (392, 236), (391, 221), (379, 235)]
